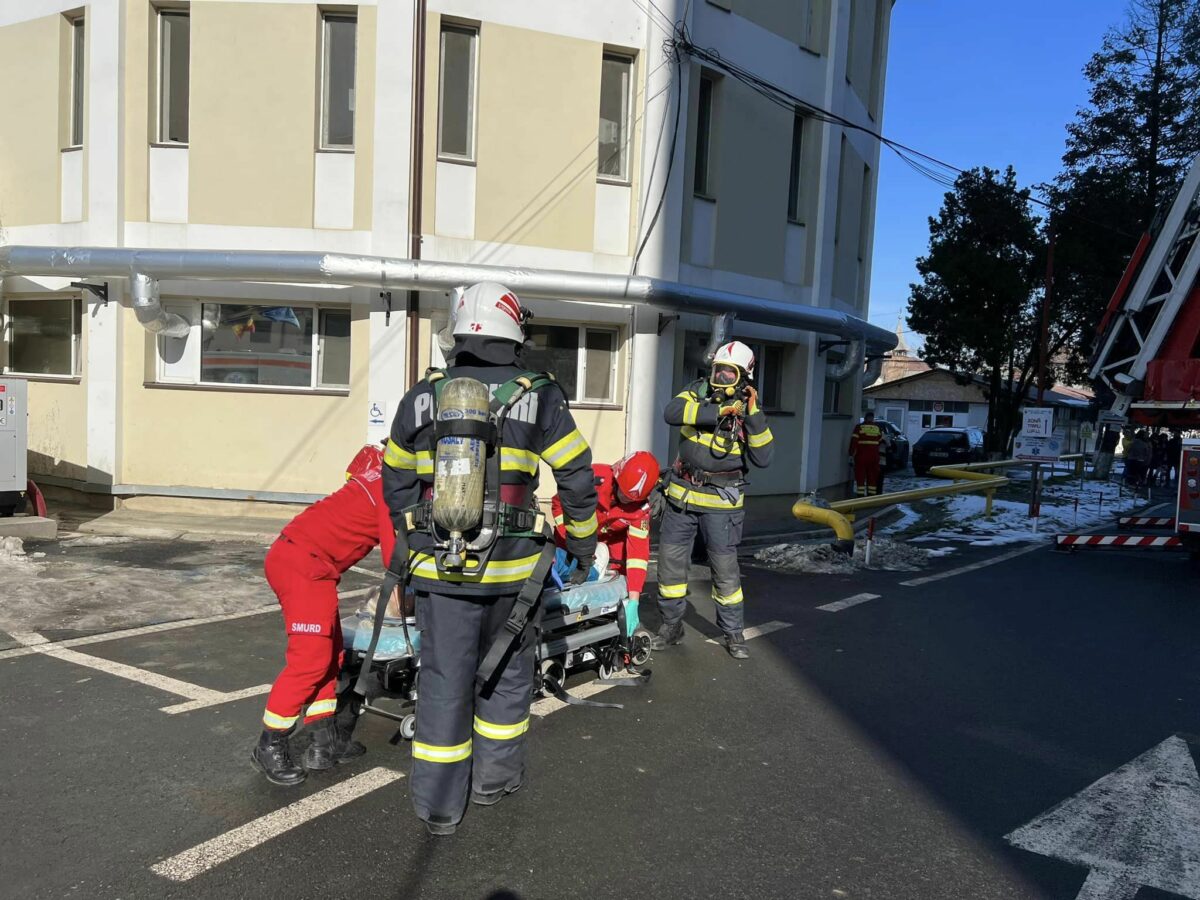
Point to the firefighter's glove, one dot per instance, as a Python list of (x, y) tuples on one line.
[(733, 408), (583, 568), (751, 396), (658, 502)]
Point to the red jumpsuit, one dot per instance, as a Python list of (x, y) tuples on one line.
[(624, 528), (864, 447), (304, 567)]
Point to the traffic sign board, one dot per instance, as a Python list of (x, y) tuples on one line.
[(1037, 422), (1047, 449)]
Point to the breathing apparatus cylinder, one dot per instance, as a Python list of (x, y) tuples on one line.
[(459, 467)]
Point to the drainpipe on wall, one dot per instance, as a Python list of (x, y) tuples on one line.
[(148, 309), (416, 185)]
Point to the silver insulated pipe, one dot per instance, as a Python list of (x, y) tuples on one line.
[(145, 266), (148, 309)]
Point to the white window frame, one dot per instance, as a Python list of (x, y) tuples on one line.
[(161, 13), (323, 121), (76, 339), (624, 176), (761, 370), (192, 310), (472, 131), (581, 363), (78, 82)]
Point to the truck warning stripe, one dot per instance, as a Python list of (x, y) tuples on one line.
[(1148, 521), (1115, 540)]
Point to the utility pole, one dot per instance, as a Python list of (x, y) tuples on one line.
[(1035, 494)]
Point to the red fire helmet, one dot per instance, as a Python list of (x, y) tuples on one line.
[(636, 475)]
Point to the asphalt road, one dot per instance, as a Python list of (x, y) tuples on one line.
[(881, 751)]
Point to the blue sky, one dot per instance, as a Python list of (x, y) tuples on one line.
[(974, 83)]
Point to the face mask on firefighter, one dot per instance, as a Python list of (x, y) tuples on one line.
[(725, 379)]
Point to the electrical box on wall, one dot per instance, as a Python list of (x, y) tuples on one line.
[(14, 438)]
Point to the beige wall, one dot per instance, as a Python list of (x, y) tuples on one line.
[(30, 56), (539, 104), (253, 113), (139, 108), (212, 438), (364, 118)]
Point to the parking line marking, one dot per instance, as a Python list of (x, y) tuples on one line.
[(839, 605), (228, 697), (1003, 557), (131, 673), (199, 859), (757, 631)]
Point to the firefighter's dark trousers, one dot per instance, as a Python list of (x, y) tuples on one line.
[(722, 531), (464, 739)]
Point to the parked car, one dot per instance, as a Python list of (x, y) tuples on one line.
[(942, 446), (896, 452)]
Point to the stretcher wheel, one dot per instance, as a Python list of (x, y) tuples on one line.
[(408, 727), (553, 672), (641, 648)]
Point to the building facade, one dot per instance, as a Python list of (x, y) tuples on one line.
[(558, 134)]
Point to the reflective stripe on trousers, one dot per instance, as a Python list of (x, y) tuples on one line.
[(722, 534), (465, 740)]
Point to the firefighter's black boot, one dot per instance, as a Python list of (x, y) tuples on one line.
[(667, 635), (272, 755), (331, 744), (491, 798), (735, 643)]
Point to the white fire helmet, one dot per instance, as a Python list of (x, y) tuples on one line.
[(489, 310), (735, 353)]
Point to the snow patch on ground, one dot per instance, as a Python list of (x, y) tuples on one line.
[(13, 558), (886, 555)]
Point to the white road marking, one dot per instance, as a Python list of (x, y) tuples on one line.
[(362, 571), (961, 570), (1138, 826), (199, 859), (229, 697), (755, 631), (839, 605)]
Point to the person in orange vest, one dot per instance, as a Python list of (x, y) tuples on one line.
[(865, 441)]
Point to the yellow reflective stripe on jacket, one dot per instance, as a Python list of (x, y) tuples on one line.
[(583, 529), (691, 409), (639, 564), (277, 722), (692, 497), (498, 571), (500, 732), (558, 520), (435, 754), (424, 465), (397, 457), (705, 438), (563, 451), (731, 600), (760, 440), (514, 460), (321, 707), (672, 591), (636, 532)]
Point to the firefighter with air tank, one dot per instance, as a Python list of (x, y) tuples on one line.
[(722, 432)]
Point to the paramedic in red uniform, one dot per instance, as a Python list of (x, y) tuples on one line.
[(622, 514), (303, 567), (864, 455)]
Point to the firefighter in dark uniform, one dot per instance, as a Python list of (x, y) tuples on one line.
[(722, 433), (470, 740)]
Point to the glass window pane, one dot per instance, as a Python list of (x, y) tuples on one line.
[(42, 336), (335, 348), (456, 118), (269, 345), (175, 52), (339, 81), (77, 81), (615, 75), (555, 350), (600, 350), (703, 136), (794, 173), (771, 377)]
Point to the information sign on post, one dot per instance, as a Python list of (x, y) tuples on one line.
[(1037, 423)]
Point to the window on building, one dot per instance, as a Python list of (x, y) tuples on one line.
[(768, 374), (456, 93), (704, 125), (616, 85), (834, 398), (77, 81), (43, 336), (174, 61), (337, 82), (815, 24), (583, 359), (299, 347), (795, 211)]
